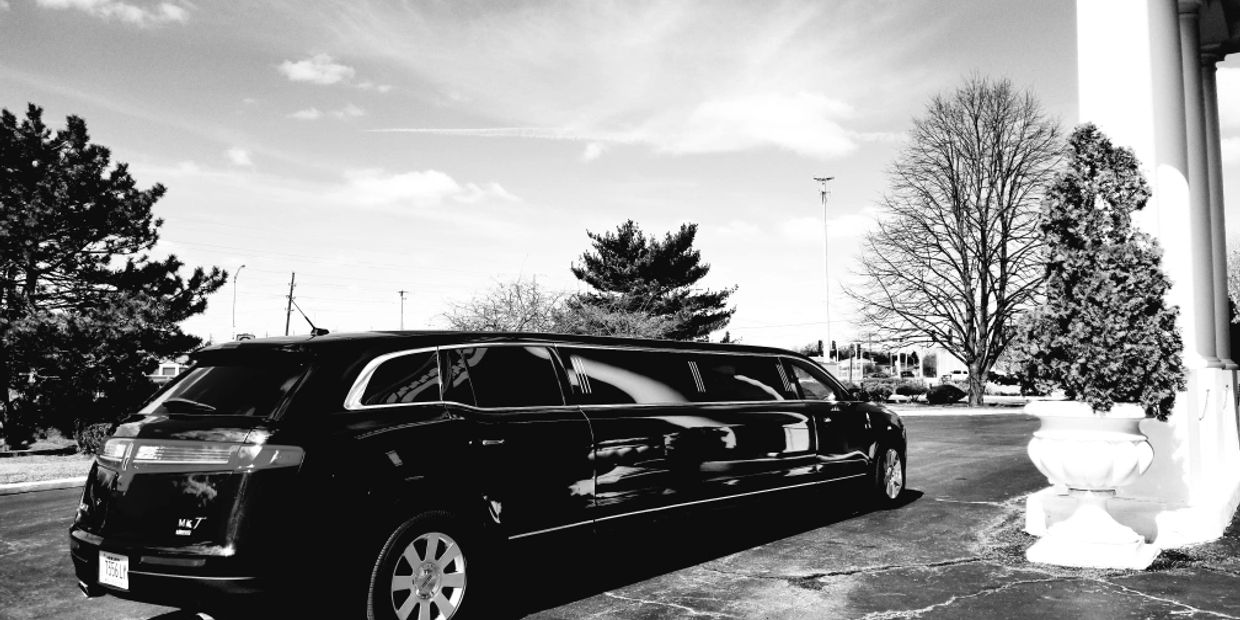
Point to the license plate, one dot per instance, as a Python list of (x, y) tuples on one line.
[(114, 570)]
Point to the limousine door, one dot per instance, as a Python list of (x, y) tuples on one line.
[(843, 430), (648, 433), (531, 452), (680, 427)]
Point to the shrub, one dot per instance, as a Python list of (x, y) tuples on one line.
[(1105, 333), (90, 437), (879, 390), (944, 394), (911, 388)]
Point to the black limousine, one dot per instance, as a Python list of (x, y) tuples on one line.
[(391, 465)]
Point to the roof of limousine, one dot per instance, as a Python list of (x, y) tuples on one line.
[(411, 339)]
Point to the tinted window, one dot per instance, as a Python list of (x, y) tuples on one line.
[(611, 377), (228, 389), (456, 385), (412, 378), (512, 376), (742, 378), (814, 385)]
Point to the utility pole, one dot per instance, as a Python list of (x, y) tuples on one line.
[(402, 309), (826, 253), (288, 314)]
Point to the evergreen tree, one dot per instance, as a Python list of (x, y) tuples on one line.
[(1105, 333), (633, 272), (85, 311)]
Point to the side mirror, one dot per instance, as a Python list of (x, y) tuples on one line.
[(858, 394)]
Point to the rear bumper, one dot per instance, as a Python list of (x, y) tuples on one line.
[(167, 577)]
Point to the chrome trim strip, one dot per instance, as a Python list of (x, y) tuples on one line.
[(550, 529), (697, 377), (194, 577), (683, 504), (723, 497)]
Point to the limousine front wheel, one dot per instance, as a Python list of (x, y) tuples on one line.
[(421, 573), (888, 475)]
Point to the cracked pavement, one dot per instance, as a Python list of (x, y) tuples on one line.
[(954, 550)]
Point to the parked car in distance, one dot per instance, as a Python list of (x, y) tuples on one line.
[(389, 468), (955, 376)]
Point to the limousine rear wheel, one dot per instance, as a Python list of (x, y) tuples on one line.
[(888, 475), (421, 572)]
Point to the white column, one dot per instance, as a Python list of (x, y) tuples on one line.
[(1131, 85), (1198, 183), (1218, 226)]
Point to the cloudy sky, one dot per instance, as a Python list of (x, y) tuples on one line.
[(440, 147)]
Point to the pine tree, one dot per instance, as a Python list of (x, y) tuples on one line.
[(1105, 333), (84, 309), (633, 272)]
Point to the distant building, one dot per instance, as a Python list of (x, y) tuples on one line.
[(167, 371)]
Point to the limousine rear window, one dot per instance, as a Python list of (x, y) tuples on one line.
[(412, 378), (250, 389), (505, 376)]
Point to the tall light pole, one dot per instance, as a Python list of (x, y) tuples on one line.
[(826, 260), (402, 309), (236, 276)]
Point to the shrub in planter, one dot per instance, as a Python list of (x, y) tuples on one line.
[(944, 394), (90, 437), (1105, 334)]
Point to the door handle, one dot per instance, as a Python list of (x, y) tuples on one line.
[(492, 442)]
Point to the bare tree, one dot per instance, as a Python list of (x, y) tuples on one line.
[(956, 253), (525, 306), (515, 306)]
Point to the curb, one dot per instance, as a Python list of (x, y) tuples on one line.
[(44, 485)]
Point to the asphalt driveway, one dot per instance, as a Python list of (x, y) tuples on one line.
[(953, 549)]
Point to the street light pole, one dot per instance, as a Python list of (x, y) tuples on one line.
[(402, 309), (826, 258), (236, 277)]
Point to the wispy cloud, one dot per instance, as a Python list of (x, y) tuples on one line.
[(155, 15), (593, 151), (318, 69), (308, 114), (677, 77), (377, 188), (380, 88), (239, 157), (348, 111)]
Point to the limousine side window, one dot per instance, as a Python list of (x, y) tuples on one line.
[(812, 387), (507, 376), (742, 378), (622, 377), (412, 378)]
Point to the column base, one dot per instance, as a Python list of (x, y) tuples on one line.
[(1133, 555), (1091, 538)]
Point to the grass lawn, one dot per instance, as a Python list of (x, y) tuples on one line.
[(38, 468)]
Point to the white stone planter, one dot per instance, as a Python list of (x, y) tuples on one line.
[(1091, 456)]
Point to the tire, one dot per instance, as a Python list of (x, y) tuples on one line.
[(888, 476), (423, 572)]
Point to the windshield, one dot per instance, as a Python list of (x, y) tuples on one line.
[(228, 389)]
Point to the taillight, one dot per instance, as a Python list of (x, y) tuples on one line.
[(178, 455)]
